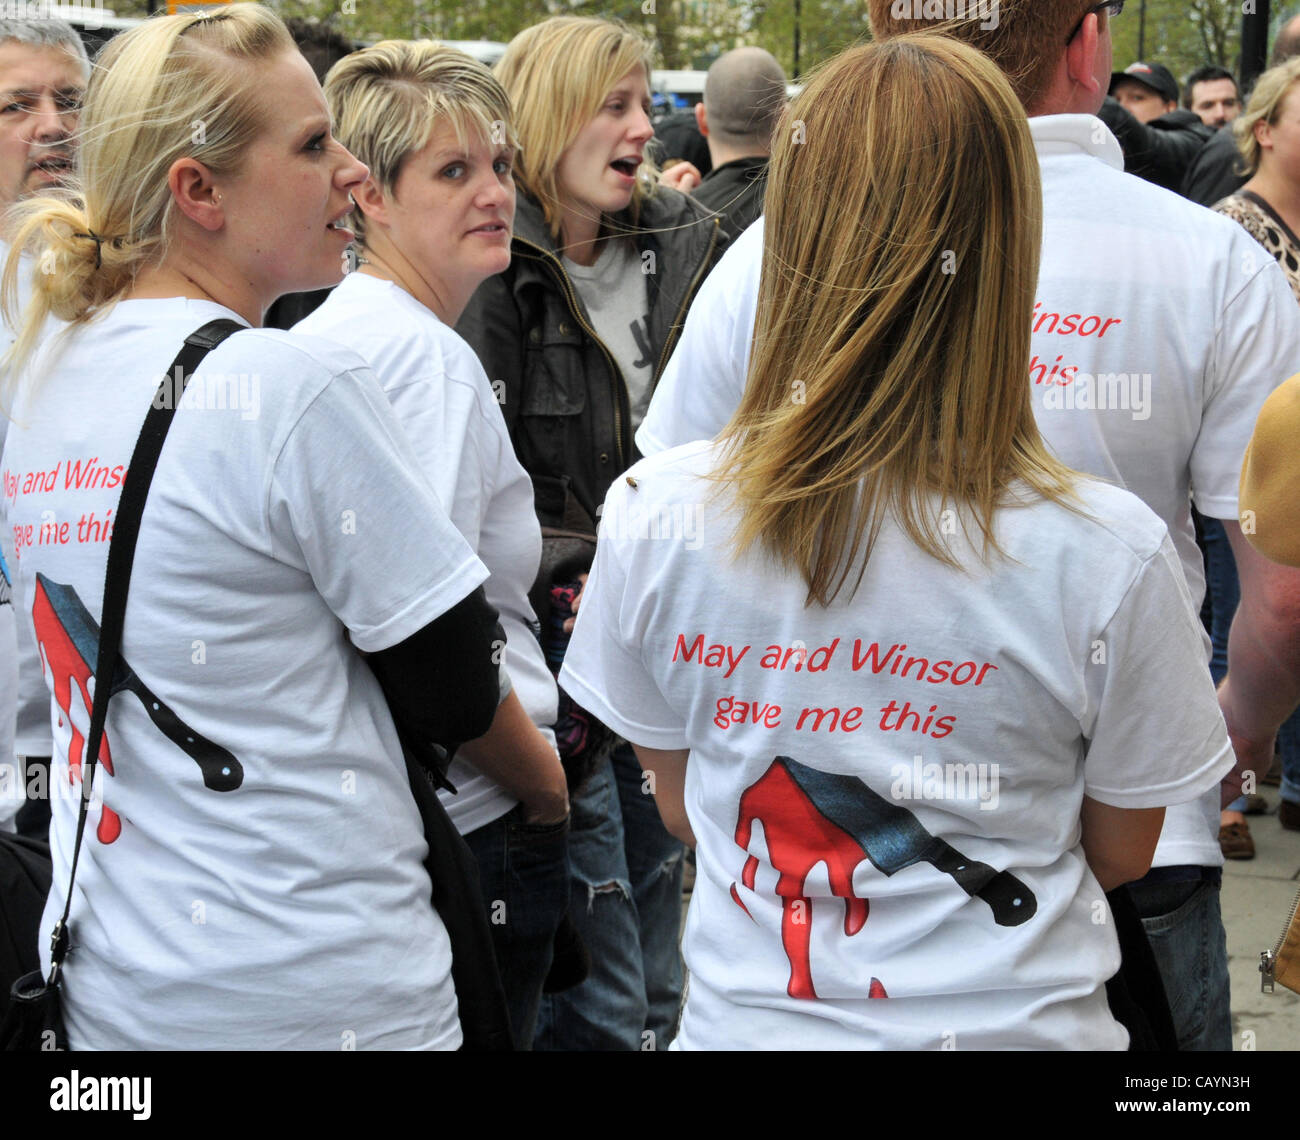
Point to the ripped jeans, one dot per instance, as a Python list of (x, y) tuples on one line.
[(626, 900)]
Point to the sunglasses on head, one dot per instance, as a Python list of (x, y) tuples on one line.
[(1110, 7)]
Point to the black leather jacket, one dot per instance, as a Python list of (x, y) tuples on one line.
[(563, 395), (1159, 151)]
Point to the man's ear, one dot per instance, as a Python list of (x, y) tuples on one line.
[(1081, 56), (372, 201), (195, 193), (702, 118)]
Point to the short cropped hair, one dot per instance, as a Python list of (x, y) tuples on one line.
[(1025, 41), (387, 99), (1208, 74), (47, 33), (744, 95)]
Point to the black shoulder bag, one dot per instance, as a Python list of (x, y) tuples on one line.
[(34, 1020)]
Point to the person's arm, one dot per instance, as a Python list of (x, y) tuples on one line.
[(518, 757), (1270, 478), (1119, 842), (1161, 151), (667, 772), (1213, 173), (443, 683), (1262, 687)]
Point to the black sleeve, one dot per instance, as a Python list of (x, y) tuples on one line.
[(1160, 151), (1214, 173), (443, 683)]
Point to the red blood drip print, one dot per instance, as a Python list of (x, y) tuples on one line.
[(798, 838), (66, 666)]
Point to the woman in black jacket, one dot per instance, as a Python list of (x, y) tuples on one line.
[(573, 337)]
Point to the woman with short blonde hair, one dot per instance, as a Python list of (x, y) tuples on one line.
[(433, 220), (253, 874)]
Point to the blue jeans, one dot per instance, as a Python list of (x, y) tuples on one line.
[(524, 872), (1223, 593), (626, 901), (1185, 929)]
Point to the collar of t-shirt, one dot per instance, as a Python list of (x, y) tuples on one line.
[(1075, 134), (614, 291)]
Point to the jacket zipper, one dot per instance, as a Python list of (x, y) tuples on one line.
[(674, 333), (1268, 958), (615, 372)]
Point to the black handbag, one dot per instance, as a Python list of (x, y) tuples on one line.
[(24, 886), (34, 1020)]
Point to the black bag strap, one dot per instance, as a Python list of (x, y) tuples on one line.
[(117, 577)]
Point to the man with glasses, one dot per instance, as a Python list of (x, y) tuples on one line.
[(1158, 334), (43, 73)]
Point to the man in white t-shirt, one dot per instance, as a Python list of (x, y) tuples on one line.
[(1158, 335), (43, 73)]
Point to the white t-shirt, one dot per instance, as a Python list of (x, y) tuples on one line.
[(13, 646), (614, 290), (11, 776), (443, 399), (286, 528), (1170, 323), (834, 752)]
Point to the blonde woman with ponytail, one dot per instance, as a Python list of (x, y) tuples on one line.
[(278, 899), (916, 692)]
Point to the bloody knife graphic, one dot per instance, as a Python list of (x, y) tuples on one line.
[(893, 838), (221, 771)]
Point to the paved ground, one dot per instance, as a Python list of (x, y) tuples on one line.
[(1257, 896)]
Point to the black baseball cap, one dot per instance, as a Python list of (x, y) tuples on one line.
[(1153, 75)]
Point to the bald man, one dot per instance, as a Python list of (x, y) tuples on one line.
[(744, 94)]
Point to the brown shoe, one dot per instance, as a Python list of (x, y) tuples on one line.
[(1255, 804), (1288, 815), (1235, 841)]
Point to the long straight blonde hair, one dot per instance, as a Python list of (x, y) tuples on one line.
[(891, 352)]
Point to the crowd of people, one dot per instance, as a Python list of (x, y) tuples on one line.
[(815, 504)]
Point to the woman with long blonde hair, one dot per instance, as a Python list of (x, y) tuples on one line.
[(605, 262), (902, 660), (252, 876)]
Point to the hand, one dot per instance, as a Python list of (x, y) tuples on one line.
[(1254, 754), (569, 623), (681, 176)]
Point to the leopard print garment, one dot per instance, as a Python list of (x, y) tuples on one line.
[(1255, 215)]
